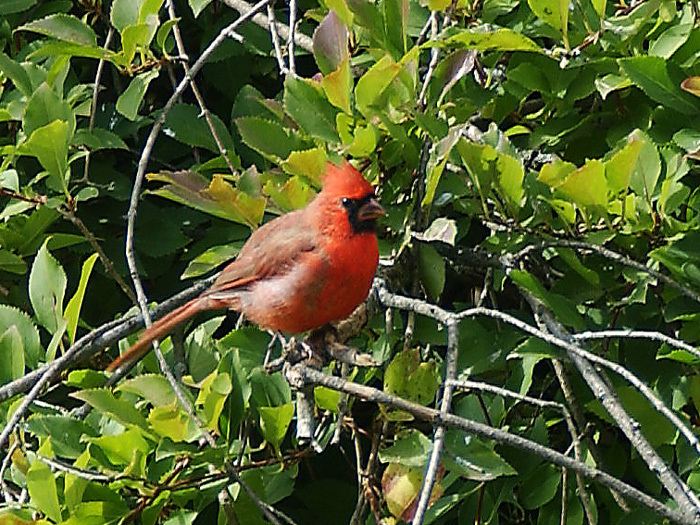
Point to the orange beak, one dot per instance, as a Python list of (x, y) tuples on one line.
[(370, 210)]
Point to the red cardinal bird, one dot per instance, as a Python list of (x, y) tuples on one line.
[(298, 271)]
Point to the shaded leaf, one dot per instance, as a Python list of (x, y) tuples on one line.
[(330, 41)]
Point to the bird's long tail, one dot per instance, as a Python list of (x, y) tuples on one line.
[(160, 328)]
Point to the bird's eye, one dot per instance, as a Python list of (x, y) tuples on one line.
[(346, 202)]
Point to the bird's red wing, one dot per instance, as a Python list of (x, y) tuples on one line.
[(271, 250)]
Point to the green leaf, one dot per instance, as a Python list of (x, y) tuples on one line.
[(647, 170), (9, 262), (611, 82), (474, 459), (552, 12), (670, 41), (198, 6), (125, 13), (540, 486), (310, 163), (619, 169), (47, 287), (41, 484), (274, 422), (16, 73), (163, 32), (55, 48), (44, 107), (338, 86), (306, 103), (63, 27), (76, 302), (395, 13), (136, 37), (128, 102), (11, 316), (487, 165), (431, 269), (587, 186), (327, 399), (214, 390), (660, 80), (210, 259), (127, 449), (218, 197), (412, 449), (172, 422), (406, 376), (266, 137), (49, 144), (151, 387), (374, 82), (9, 7), (186, 124), (11, 355), (98, 139), (106, 403), (66, 433), (482, 39)]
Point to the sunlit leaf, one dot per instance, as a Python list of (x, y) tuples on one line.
[(217, 197)]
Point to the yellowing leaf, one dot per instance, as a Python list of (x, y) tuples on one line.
[(587, 185), (310, 163), (217, 198), (338, 86)]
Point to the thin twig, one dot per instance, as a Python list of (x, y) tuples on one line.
[(95, 94), (274, 35), (291, 37), (612, 255), (244, 8), (434, 57), (204, 111), (439, 439), (637, 334)]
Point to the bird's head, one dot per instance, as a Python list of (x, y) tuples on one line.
[(345, 189)]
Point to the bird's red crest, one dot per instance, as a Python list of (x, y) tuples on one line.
[(345, 181)]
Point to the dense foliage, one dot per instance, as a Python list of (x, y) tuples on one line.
[(536, 158)]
